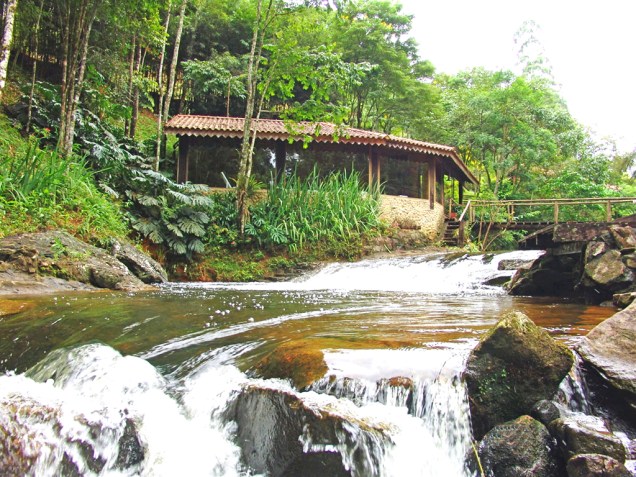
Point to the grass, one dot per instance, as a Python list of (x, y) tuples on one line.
[(40, 190), (335, 212)]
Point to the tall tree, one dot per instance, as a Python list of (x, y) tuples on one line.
[(76, 19), (8, 16)]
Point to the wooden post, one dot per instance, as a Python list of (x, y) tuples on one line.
[(374, 167), (183, 162), (460, 193), (432, 183), (556, 212), (442, 198), (280, 159), (608, 210)]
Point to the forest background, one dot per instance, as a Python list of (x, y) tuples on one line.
[(92, 82)]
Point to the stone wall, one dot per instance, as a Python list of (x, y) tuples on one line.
[(413, 214)]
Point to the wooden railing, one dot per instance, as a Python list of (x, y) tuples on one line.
[(545, 210)]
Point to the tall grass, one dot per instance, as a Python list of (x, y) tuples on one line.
[(39, 190), (336, 210)]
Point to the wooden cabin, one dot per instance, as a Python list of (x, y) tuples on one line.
[(423, 164)]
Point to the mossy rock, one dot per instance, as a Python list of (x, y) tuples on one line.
[(299, 361), (514, 365)]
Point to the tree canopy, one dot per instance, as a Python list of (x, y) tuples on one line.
[(352, 62)]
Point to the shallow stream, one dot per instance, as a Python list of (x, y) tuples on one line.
[(173, 360)]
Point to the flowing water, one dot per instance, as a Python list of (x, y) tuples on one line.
[(149, 383)]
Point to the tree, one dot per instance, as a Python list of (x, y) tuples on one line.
[(508, 128), (76, 19), (8, 16)]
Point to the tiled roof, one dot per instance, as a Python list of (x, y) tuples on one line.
[(275, 129)]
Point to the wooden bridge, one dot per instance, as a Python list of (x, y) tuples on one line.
[(538, 217)]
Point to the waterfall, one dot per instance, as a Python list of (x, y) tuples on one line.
[(394, 335)]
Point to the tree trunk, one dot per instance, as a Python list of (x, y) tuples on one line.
[(36, 33), (175, 57), (77, 22), (245, 166), (131, 77), (135, 97), (155, 165), (7, 37)]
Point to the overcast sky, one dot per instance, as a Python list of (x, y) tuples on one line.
[(591, 45)]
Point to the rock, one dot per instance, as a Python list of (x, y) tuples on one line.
[(34, 433), (623, 300), (292, 435), (625, 238), (299, 361), (610, 348), (519, 448), (594, 250), (545, 412), (549, 275), (59, 255), (630, 260), (131, 451), (515, 264), (140, 264), (596, 465), (514, 365), (586, 435), (609, 271)]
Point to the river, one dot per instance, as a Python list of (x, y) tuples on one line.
[(172, 362)]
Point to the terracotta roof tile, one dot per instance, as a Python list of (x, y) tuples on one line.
[(275, 129)]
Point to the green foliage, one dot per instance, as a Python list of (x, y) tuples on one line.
[(336, 211), (40, 189)]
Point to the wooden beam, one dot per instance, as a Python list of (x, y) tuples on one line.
[(432, 183), (461, 192), (281, 159), (183, 161)]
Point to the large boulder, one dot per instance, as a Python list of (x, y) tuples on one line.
[(596, 465), (514, 365), (624, 237), (549, 275), (610, 348), (294, 437), (62, 256), (140, 264), (519, 448), (586, 436), (608, 271)]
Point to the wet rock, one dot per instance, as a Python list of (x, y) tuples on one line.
[(514, 365), (514, 264), (62, 256), (586, 435), (299, 361), (596, 465), (594, 250), (33, 435), (623, 300), (291, 434), (140, 264), (610, 348), (518, 448), (609, 271), (131, 451), (625, 238), (630, 260), (549, 275), (545, 412)]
